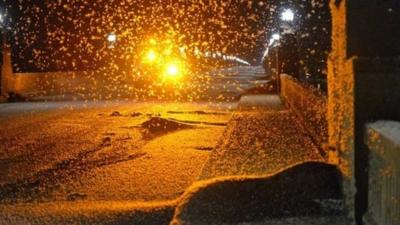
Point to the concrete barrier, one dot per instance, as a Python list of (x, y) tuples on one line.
[(310, 107), (54, 83), (363, 82), (75, 85), (376, 97), (383, 140)]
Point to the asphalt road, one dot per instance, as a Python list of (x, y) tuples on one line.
[(105, 150), (122, 162)]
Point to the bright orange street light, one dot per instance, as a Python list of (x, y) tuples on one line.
[(174, 70), (151, 56)]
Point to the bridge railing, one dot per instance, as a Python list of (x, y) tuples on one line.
[(310, 106)]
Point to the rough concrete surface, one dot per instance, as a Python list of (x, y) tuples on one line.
[(99, 154), (383, 141), (88, 212), (130, 162), (290, 192), (260, 143), (321, 220), (309, 105)]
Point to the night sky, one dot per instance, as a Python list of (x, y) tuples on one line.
[(53, 35), (60, 35)]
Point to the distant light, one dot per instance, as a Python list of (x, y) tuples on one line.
[(197, 52), (287, 15), (151, 56), (173, 70), (1, 18), (276, 37), (112, 38)]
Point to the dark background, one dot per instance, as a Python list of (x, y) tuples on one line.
[(64, 35), (52, 35)]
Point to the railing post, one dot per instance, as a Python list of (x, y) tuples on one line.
[(358, 87), (382, 138)]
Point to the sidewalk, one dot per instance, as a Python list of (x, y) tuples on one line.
[(242, 180), (261, 141), (265, 170)]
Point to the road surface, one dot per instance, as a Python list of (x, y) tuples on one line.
[(122, 162), (116, 150)]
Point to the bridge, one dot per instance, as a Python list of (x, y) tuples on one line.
[(299, 156)]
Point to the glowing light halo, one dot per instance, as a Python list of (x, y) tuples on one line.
[(287, 15), (151, 56), (112, 38), (174, 70)]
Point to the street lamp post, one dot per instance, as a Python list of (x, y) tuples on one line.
[(275, 40), (287, 16), (4, 29), (3, 89), (6, 65)]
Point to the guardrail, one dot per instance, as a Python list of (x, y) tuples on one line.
[(53, 83), (383, 140), (310, 106), (70, 85)]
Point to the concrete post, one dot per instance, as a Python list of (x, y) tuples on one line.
[(341, 104), (362, 31)]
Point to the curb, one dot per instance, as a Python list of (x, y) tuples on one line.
[(260, 102)]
